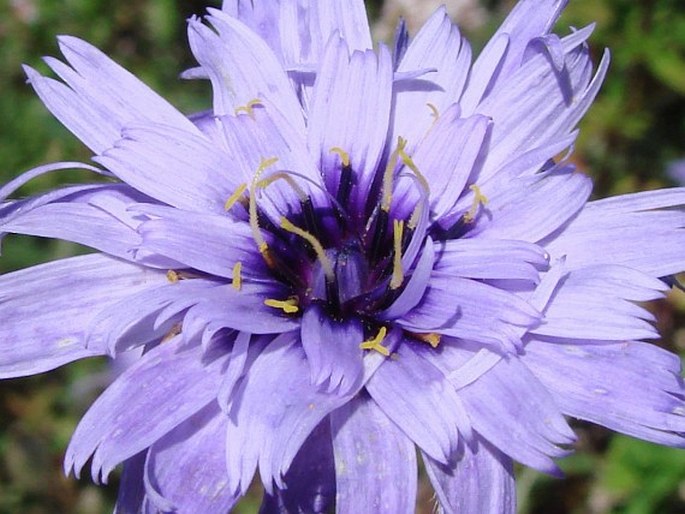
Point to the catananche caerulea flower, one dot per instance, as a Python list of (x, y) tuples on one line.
[(355, 253)]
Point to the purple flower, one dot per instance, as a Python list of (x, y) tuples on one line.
[(355, 253)]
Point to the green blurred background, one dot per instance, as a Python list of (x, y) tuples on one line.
[(635, 129)]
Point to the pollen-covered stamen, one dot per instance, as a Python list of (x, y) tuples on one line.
[(375, 343), (237, 276), (418, 209), (289, 306), (389, 175), (344, 156), (254, 217), (346, 176), (432, 338), (172, 276), (397, 269), (235, 197), (478, 199), (248, 108), (326, 264), (282, 175)]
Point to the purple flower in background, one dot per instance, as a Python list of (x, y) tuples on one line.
[(355, 253)]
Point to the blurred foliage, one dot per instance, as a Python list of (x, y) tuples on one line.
[(634, 129)]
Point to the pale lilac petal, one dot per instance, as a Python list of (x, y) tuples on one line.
[(528, 20), (310, 481), (531, 208), (481, 481), (186, 469), (520, 417), (332, 349), (100, 97), (490, 259), (175, 384), (375, 461), (642, 231), (173, 166), (226, 307), (631, 387), (596, 303), (469, 309), (241, 67), (134, 320), (47, 309), (418, 398), (206, 242), (93, 216), (449, 155), (359, 84), (273, 411), (412, 113)]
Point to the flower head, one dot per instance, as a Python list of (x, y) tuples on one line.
[(353, 254)]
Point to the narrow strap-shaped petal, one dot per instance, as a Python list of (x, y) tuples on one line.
[(449, 156), (94, 216), (437, 46), (332, 349), (350, 110), (531, 208), (417, 397), (186, 471), (241, 67), (510, 408), (471, 310), (173, 166), (275, 409), (596, 303), (375, 461), (268, 134), (310, 481), (491, 259), (643, 231), (528, 20), (133, 321), (631, 387), (162, 389), (482, 481), (207, 242), (226, 307), (46, 309), (100, 97)]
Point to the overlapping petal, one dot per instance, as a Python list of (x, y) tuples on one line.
[(375, 461), (47, 309)]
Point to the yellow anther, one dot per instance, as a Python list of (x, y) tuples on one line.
[(434, 111), (316, 245), (254, 218), (172, 276), (288, 306), (235, 197), (249, 107), (237, 276), (415, 216), (432, 339), (478, 199), (375, 343), (173, 332), (344, 156), (409, 163), (397, 271), (389, 172), (266, 182)]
